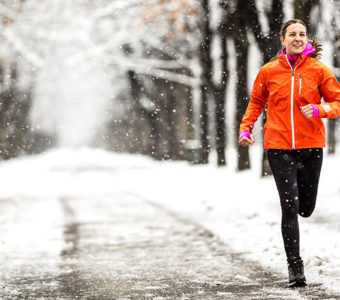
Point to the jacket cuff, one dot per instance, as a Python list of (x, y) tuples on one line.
[(244, 134), (316, 111)]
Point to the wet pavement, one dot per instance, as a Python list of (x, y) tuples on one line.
[(121, 246)]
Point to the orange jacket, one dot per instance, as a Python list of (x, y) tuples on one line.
[(285, 89)]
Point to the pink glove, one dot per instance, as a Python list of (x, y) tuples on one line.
[(244, 134)]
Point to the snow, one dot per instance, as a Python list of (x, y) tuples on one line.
[(241, 208)]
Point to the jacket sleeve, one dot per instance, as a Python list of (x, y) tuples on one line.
[(258, 102), (330, 91)]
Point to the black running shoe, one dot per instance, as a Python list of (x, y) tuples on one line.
[(296, 273)]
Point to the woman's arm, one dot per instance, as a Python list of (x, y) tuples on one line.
[(330, 91), (257, 103)]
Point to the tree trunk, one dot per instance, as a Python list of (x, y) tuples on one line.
[(220, 92), (220, 127), (331, 135), (332, 123), (302, 11), (182, 100), (14, 118), (269, 46), (204, 128), (147, 115), (206, 75), (170, 124), (242, 99), (265, 169)]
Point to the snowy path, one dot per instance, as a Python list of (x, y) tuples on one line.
[(120, 247), (80, 239)]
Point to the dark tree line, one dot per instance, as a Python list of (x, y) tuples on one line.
[(16, 97), (16, 135), (14, 108)]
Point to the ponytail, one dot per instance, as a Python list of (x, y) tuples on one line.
[(318, 48)]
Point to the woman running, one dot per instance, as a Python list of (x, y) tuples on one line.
[(291, 86)]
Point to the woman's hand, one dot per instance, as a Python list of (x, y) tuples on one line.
[(247, 141), (308, 110)]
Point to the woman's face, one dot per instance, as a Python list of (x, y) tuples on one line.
[(295, 39)]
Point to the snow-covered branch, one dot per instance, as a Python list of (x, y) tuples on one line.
[(158, 73), (18, 47)]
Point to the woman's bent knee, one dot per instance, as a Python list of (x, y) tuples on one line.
[(306, 214)]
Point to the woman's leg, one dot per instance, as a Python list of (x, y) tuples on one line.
[(309, 162), (284, 168)]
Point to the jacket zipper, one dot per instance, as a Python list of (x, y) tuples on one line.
[(300, 85), (292, 101)]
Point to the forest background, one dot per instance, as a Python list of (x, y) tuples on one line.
[(170, 79)]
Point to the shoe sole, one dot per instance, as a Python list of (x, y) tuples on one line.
[(298, 284)]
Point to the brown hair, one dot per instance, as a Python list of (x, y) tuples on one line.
[(314, 42)]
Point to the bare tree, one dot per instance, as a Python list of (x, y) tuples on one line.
[(14, 116), (302, 11), (332, 123), (239, 22), (16, 136), (210, 88), (206, 75), (269, 44)]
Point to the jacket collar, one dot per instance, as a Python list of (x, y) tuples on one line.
[(283, 59), (294, 60)]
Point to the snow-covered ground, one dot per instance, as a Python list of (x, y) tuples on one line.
[(241, 208)]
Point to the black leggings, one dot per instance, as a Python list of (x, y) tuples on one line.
[(296, 174)]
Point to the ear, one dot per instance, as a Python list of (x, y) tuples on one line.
[(282, 40)]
